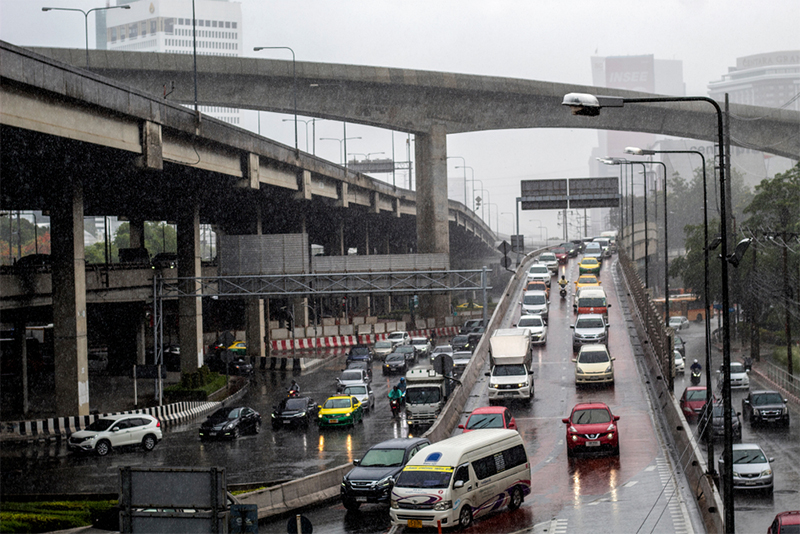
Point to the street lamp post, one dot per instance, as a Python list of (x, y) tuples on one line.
[(496, 217), (294, 85), (85, 19), (313, 131), (472, 171), (465, 174), (589, 105), (340, 145)]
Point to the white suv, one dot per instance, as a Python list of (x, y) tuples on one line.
[(117, 431), (539, 271)]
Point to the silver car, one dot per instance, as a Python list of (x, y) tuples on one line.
[(382, 349), (589, 328), (422, 345), (752, 468), (363, 392)]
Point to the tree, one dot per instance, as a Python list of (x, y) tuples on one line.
[(158, 237)]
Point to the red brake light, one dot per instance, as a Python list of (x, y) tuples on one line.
[(158, 423)]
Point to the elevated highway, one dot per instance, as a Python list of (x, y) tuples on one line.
[(77, 144)]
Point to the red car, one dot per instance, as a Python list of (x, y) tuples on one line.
[(785, 523), (592, 427), (692, 402), (489, 417), (562, 254)]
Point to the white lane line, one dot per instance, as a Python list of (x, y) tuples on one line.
[(630, 483)]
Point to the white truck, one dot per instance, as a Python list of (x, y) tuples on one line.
[(511, 377), (426, 394)]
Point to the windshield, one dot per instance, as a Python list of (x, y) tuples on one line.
[(534, 299), (360, 351), (355, 390), (396, 335), (419, 476), (591, 302), (335, 404), (696, 394), (460, 339), (443, 348), (589, 323), (539, 269), (509, 370), (588, 417), (485, 420), (404, 348), (589, 261), (225, 413), (395, 357), (423, 395), (767, 398), (530, 321), (383, 458), (547, 257), (594, 356), (295, 404), (587, 279), (352, 375), (737, 368), (748, 456), (419, 341), (100, 425), (383, 344)]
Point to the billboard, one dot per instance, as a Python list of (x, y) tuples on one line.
[(570, 193)]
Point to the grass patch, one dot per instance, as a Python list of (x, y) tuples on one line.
[(196, 386), (50, 516)]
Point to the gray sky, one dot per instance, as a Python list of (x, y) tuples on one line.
[(544, 40)]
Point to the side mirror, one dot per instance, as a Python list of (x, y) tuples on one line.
[(458, 484), (572, 326), (613, 358), (616, 418), (565, 421), (574, 360), (512, 425), (487, 374), (461, 426), (745, 401), (608, 305), (356, 462), (770, 460)]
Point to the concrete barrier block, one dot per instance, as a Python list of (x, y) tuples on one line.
[(312, 331), (364, 329), (379, 328), (328, 331), (401, 326), (329, 321), (279, 333), (359, 320), (391, 326), (346, 330), (372, 319), (274, 324)]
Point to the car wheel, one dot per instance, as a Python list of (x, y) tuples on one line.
[(516, 499), (257, 427), (103, 448), (351, 505), (236, 433), (149, 442), (465, 517)]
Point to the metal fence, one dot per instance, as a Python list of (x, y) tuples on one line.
[(781, 377)]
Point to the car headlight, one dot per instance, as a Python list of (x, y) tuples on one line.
[(756, 411), (443, 505), (579, 371), (301, 414), (385, 481), (230, 426), (608, 369), (574, 437), (393, 504), (522, 385), (610, 428), (494, 386), (321, 415), (766, 472)]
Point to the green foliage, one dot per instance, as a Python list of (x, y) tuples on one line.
[(196, 386), (158, 237), (50, 516)]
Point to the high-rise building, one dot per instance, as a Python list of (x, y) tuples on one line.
[(166, 26), (771, 79)]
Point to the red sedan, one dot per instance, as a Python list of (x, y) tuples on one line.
[(489, 417), (592, 427), (562, 254), (692, 402)]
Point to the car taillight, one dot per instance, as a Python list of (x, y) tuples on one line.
[(158, 423)]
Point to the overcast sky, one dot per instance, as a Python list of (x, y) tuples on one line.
[(544, 40)]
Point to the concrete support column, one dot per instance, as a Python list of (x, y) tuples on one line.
[(70, 346), (141, 341), (433, 230), (136, 233), (254, 316), (190, 308)]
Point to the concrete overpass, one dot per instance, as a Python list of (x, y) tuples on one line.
[(77, 144)]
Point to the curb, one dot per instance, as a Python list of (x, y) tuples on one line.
[(349, 341)]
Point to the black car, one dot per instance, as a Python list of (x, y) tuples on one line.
[(715, 429), (460, 343), (395, 363), (230, 423), (230, 363), (475, 336), (359, 353), (295, 412), (765, 407), (409, 351), (372, 479)]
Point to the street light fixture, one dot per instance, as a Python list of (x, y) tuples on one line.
[(313, 131), (294, 85), (85, 19), (471, 170), (340, 144), (589, 105)]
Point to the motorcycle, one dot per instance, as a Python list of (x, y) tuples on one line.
[(748, 363), (394, 404), (293, 392), (696, 374), (563, 292)]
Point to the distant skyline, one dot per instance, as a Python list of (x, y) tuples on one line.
[(543, 40)]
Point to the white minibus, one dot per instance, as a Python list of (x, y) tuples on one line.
[(451, 482)]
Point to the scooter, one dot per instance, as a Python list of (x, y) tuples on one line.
[(696, 374), (293, 392), (394, 404), (563, 292)]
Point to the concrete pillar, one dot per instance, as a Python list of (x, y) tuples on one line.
[(254, 314), (190, 308), (136, 233), (141, 341), (70, 346), (433, 230)]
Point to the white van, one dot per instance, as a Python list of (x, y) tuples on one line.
[(458, 479)]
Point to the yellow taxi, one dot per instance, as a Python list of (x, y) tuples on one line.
[(586, 280), (340, 410), (238, 347), (589, 265)]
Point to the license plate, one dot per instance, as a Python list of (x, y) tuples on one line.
[(750, 483), (286, 422), (361, 499), (592, 443), (212, 433), (415, 523), (333, 421)]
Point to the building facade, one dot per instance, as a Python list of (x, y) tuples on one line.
[(771, 79)]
